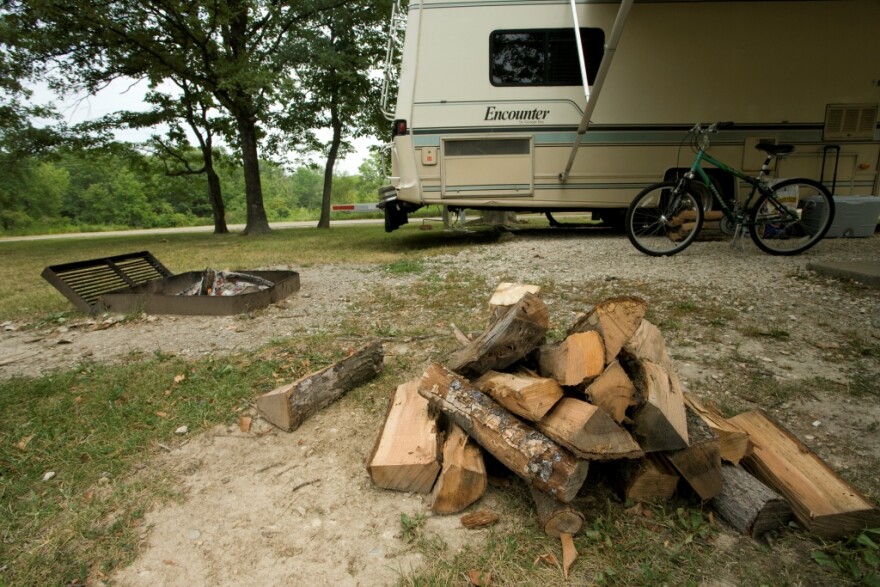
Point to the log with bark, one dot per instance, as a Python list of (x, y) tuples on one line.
[(821, 501), (508, 339), (556, 518), (406, 456), (463, 478), (289, 405), (577, 359), (523, 393), (616, 319), (526, 452), (748, 505), (588, 432)]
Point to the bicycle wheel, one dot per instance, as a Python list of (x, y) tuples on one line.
[(792, 218), (661, 222)]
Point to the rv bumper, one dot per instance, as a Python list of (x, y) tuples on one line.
[(396, 212)]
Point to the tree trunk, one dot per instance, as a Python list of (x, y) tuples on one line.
[(335, 142), (257, 222), (215, 194)]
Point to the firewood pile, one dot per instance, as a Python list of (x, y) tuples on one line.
[(608, 392)]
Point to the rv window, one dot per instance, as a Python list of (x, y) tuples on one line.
[(546, 57), (470, 148)]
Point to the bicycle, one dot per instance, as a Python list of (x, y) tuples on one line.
[(787, 217)]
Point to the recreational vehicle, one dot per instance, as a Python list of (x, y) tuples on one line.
[(492, 113)]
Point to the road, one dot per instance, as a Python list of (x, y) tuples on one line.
[(183, 229)]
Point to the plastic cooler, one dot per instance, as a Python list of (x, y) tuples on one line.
[(854, 216)]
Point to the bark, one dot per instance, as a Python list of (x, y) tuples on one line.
[(526, 452), (332, 154), (257, 222), (289, 405)]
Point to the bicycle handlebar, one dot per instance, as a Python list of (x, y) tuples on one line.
[(714, 127)]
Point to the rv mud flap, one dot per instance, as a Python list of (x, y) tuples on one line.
[(396, 213)]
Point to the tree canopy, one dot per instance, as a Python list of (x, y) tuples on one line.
[(252, 58)]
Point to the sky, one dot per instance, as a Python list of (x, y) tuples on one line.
[(128, 95)]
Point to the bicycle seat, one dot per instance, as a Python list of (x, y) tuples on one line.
[(774, 149)]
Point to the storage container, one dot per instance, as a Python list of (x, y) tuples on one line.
[(854, 216)]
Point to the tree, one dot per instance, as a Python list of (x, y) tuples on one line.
[(194, 107), (236, 50), (347, 46)]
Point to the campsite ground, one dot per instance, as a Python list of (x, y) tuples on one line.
[(746, 330)]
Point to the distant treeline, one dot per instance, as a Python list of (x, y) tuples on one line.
[(125, 189)]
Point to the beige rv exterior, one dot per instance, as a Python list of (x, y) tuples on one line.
[(801, 72)]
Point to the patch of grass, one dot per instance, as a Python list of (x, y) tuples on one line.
[(405, 266), (72, 444), (774, 332)]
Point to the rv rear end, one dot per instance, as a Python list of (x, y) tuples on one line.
[(490, 99)]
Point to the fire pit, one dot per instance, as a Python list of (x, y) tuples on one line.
[(138, 282)]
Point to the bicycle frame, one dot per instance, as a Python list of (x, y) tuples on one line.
[(757, 183)]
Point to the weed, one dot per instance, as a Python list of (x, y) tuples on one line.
[(858, 557), (411, 527)]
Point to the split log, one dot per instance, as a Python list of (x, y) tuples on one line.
[(526, 452), (507, 340), (650, 478), (525, 395), (821, 501), (463, 479), (556, 518), (289, 405), (613, 391), (406, 456), (660, 422), (700, 463), (507, 294), (647, 343), (748, 505), (575, 360), (616, 319), (588, 432), (733, 443)]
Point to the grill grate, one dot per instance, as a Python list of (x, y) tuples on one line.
[(83, 282)]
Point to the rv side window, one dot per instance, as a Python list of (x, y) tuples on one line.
[(545, 57)]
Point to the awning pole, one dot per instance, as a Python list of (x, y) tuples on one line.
[(580, 48), (593, 96)]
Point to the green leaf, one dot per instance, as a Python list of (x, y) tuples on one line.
[(822, 558), (866, 541)]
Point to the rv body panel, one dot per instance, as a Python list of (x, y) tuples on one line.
[(775, 68)]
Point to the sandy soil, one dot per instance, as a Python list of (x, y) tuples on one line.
[(266, 507)]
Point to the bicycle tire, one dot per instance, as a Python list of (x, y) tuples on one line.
[(795, 218), (659, 224)]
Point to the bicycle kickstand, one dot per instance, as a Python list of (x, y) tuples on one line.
[(739, 234)]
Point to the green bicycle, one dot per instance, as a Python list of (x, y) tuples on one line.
[(783, 218)]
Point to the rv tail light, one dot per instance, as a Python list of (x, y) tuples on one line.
[(399, 128)]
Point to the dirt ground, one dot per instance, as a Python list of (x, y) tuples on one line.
[(267, 507)]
